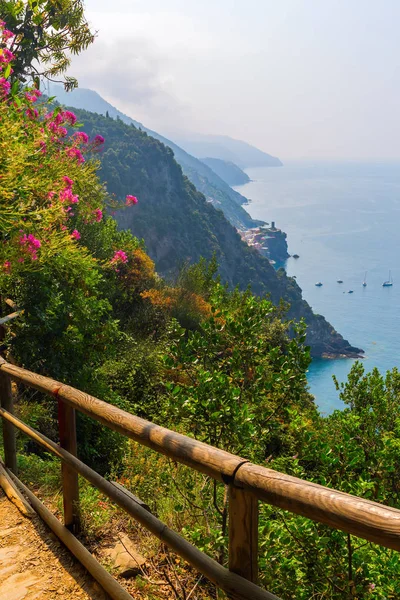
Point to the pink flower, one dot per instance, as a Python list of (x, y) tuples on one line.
[(2, 24), (130, 200), (52, 125), (32, 113), (119, 257), (30, 244), (59, 118), (76, 235), (4, 86), (30, 97), (34, 241), (69, 183), (62, 131), (7, 266), (81, 137), (69, 117), (6, 56), (8, 35), (76, 153), (98, 215), (67, 196), (98, 140)]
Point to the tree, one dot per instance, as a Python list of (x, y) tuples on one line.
[(46, 32)]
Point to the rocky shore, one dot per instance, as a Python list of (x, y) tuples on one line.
[(269, 241)]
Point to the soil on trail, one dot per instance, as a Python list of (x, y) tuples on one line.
[(34, 564)]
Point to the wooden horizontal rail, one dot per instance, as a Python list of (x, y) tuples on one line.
[(365, 519), (232, 584), (369, 520), (11, 303), (216, 463), (9, 317)]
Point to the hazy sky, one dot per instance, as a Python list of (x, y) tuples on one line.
[(297, 78)]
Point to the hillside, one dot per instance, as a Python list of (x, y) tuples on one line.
[(241, 153), (179, 225), (216, 190), (228, 171)]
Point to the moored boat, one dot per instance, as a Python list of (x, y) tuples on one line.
[(389, 282)]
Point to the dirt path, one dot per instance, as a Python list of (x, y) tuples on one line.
[(34, 564)]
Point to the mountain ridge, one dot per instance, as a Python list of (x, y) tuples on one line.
[(178, 225), (216, 190), (241, 153), (227, 170)]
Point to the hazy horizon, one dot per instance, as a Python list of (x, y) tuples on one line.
[(300, 80)]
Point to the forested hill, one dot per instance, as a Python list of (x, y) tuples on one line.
[(202, 176), (178, 224)]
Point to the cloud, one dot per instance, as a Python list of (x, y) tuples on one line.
[(134, 75)]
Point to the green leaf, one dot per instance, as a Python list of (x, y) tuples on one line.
[(7, 71)]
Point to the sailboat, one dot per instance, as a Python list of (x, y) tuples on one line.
[(365, 280), (389, 282)]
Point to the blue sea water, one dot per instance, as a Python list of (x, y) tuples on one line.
[(343, 219)]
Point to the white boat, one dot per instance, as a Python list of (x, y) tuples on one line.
[(389, 282), (365, 280), (319, 284)]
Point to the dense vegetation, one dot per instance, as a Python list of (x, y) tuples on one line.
[(215, 363)]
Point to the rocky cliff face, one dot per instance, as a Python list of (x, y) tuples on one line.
[(178, 224)]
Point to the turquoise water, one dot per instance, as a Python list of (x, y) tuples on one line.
[(343, 220)]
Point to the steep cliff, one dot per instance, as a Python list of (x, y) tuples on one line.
[(178, 224), (216, 190)]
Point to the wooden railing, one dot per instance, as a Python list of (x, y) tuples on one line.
[(248, 483)]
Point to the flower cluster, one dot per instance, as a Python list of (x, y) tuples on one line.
[(76, 153), (81, 137), (98, 215), (131, 200), (4, 87), (30, 244), (33, 95), (119, 257), (6, 57), (32, 113)]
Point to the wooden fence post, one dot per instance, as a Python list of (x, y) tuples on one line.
[(9, 438), (67, 433), (243, 534)]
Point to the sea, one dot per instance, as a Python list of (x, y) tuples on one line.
[(343, 220)]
